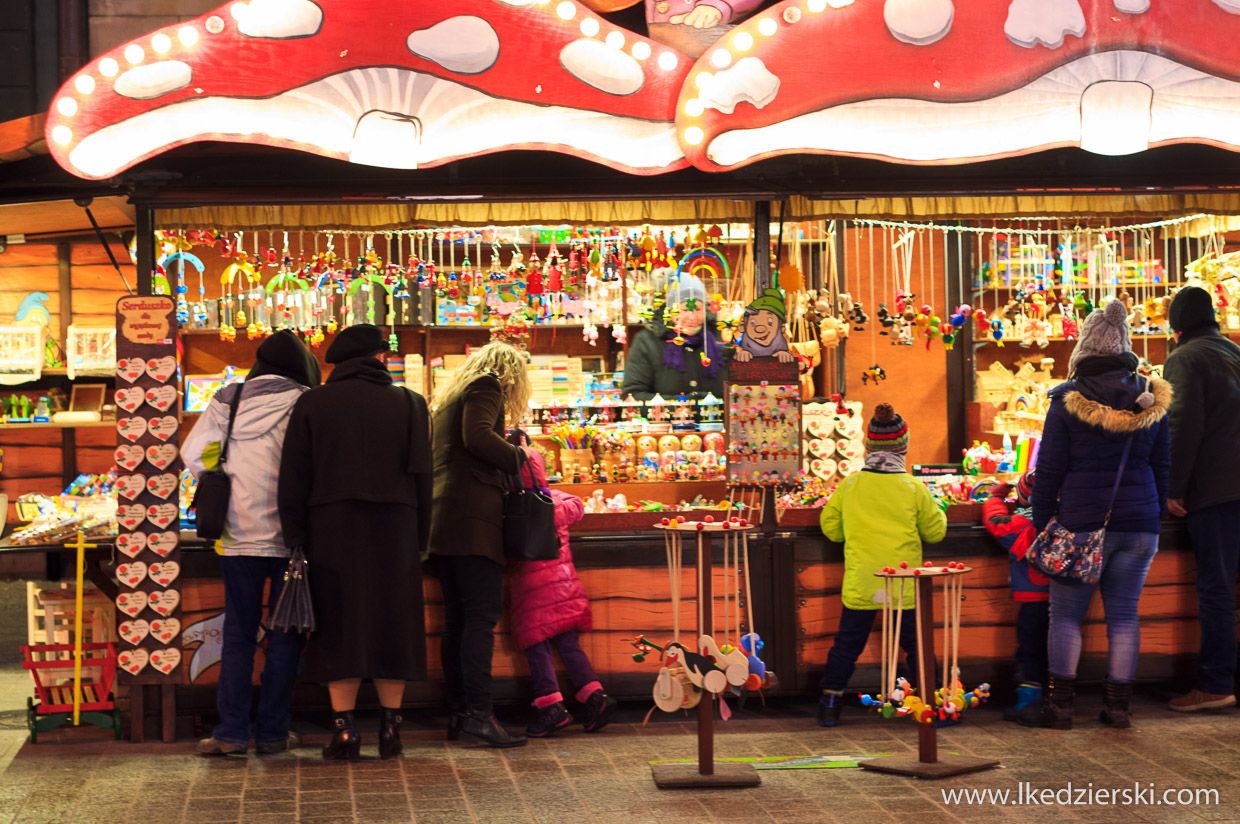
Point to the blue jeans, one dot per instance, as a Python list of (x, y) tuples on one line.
[(1215, 532), (244, 577), (1126, 558), (850, 640)]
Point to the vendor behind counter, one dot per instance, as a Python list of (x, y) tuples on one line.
[(685, 357)]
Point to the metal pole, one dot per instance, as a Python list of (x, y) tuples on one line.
[(706, 707)]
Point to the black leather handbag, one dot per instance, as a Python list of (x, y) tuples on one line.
[(529, 521), (215, 488)]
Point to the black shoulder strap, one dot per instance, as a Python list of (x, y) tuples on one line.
[(232, 415)]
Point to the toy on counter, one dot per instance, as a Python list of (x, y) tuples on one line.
[(658, 415), (710, 410), (682, 414)]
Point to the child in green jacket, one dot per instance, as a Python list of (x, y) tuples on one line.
[(881, 515)]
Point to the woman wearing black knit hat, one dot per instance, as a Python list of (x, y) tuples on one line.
[(355, 491)]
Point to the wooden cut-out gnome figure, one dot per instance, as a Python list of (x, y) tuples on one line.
[(762, 329)]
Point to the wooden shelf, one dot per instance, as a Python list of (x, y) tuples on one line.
[(82, 425)]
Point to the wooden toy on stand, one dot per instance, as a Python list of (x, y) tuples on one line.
[(705, 678), (952, 699)]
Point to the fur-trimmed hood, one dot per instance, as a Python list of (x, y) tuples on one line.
[(1120, 420)]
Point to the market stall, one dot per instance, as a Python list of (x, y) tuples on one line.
[(959, 309)]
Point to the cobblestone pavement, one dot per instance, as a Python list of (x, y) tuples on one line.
[(575, 778)]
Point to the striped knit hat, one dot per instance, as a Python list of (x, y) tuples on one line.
[(1024, 488), (887, 431)]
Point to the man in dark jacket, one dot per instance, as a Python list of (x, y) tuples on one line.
[(1205, 486), (684, 355)]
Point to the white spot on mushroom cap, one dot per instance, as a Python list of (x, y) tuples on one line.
[(749, 80), (154, 79), (1133, 6), (281, 19), (1232, 6), (1116, 117), (919, 22), (464, 44), (602, 67), (1048, 22)]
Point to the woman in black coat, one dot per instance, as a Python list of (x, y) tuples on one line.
[(472, 465), (355, 491)]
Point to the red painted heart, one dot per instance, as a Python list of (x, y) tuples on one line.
[(162, 543), (162, 455), (128, 399), (131, 543), (128, 457)]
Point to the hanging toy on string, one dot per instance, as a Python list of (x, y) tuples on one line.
[(948, 333), (875, 373), (996, 331), (932, 329), (179, 258)]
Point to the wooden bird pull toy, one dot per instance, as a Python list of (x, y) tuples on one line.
[(694, 677)]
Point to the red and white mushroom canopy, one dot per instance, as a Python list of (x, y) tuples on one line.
[(402, 85), (948, 81)]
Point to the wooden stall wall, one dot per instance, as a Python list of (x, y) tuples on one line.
[(43, 459), (1168, 610), (916, 383)]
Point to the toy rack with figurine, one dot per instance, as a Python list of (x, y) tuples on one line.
[(762, 414)]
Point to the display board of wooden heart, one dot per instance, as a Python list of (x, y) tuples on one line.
[(165, 660), (164, 601), (162, 514), (131, 574), (133, 661), (160, 369), (131, 544), (162, 543), (161, 456), (162, 397), (148, 488), (132, 632), (127, 456), (835, 448), (130, 369), (164, 572), (165, 630), (161, 486), (132, 603), (130, 487), (128, 399)]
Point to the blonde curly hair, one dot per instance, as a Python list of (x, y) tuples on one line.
[(497, 358)]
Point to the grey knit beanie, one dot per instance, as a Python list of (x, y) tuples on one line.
[(1105, 332)]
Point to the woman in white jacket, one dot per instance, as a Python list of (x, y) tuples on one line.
[(252, 544)]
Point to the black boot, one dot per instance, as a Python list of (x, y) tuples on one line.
[(389, 733), (829, 707), (549, 719), (1055, 711), (346, 743), (486, 729), (599, 707), (1115, 704), (455, 717)]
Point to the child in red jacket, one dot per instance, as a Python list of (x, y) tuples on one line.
[(548, 607), (1030, 588)]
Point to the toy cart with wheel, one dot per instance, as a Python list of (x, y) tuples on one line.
[(47, 664)]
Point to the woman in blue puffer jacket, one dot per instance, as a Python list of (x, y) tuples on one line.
[(1101, 407)]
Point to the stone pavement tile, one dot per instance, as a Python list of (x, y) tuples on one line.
[(510, 816), (632, 817), (381, 801), (252, 794), (333, 818), (564, 818), (329, 794), (212, 807), (424, 767), (388, 786), (444, 817), (440, 804), (249, 808)]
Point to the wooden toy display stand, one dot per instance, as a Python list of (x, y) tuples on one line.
[(706, 772), (927, 763), (762, 405), (148, 512)]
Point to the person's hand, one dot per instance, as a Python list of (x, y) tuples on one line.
[(1176, 507), (1001, 491), (702, 17)]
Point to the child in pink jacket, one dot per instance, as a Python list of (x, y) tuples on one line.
[(548, 607)]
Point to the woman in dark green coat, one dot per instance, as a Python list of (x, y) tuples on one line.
[(684, 355)]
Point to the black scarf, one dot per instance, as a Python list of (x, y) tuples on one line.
[(365, 368), (1102, 364)]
